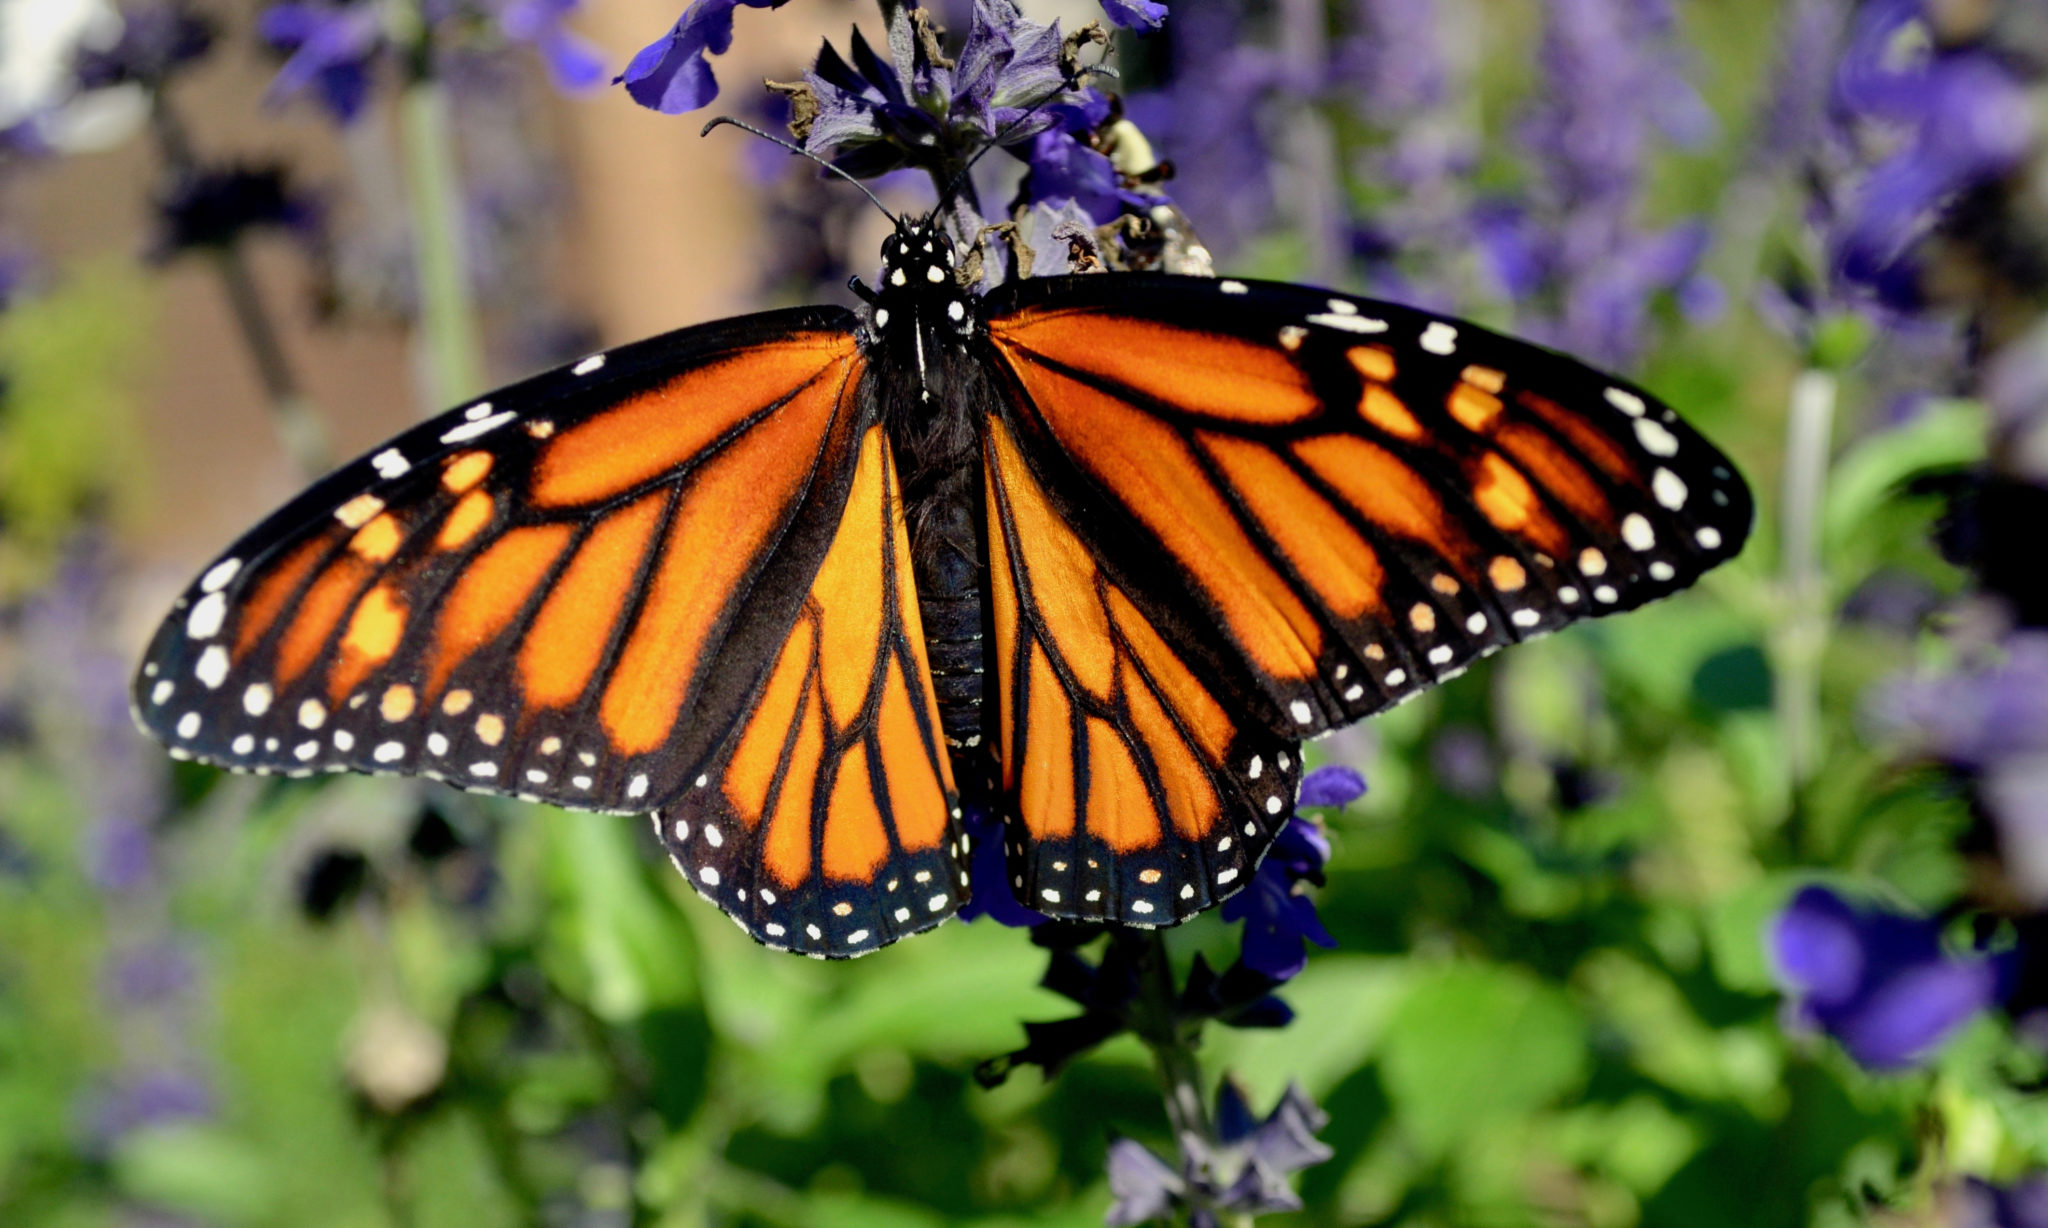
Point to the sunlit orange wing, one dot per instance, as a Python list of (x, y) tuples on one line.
[(826, 821), (569, 592), (1327, 504), (1133, 792)]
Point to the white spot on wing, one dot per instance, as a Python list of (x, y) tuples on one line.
[(218, 575), (1300, 712), (1669, 489), (1709, 538), (388, 752), (1636, 532), (1347, 323), (212, 668), (1233, 287), (1439, 338), (206, 617), (256, 700), (161, 691), (1655, 439), (471, 430), (1227, 875), (390, 463), (638, 787), (188, 724), (592, 363), (1625, 401)]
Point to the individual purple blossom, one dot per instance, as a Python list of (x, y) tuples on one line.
[(1278, 915), (673, 73), (1242, 1172), (989, 875), (1877, 981), (333, 49), (574, 64)]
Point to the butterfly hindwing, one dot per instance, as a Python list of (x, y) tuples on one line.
[(525, 595), (827, 822), (1134, 792), (1336, 503)]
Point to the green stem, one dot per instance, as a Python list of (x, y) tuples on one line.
[(1803, 635), (1155, 1019), (451, 355)]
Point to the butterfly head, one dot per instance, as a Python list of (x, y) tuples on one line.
[(918, 261)]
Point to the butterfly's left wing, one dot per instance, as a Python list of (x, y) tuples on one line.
[(1328, 504)]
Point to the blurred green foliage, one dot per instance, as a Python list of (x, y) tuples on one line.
[(1550, 1003)]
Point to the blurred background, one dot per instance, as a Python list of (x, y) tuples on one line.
[(241, 240)]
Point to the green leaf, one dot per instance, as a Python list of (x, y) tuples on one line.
[(196, 1170), (1944, 435), (1474, 1043)]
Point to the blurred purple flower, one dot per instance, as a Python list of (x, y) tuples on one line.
[(1979, 1204), (333, 50), (989, 875), (140, 1099), (1279, 917), (1241, 1173), (1879, 982), (156, 41), (1977, 718), (574, 64), (673, 74), (150, 973), (1132, 14), (1331, 785), (1208, 116)]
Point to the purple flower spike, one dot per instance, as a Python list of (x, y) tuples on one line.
[(1331, 785), (1135, 14), (1145, 1186), (1877, 981), (673, 74), (333, 50)]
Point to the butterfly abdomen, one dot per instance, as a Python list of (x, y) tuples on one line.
[(949, 598)]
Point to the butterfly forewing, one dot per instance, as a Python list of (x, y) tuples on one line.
[(1334, 502), (827, 821), (526, 595)]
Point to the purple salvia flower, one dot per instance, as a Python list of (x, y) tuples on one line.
[(1279, 917), (1242, 1172), (1879, 982), (673, 74), (156, 41), (333, 52)]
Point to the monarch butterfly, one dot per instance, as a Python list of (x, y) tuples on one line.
[(1096, 552)]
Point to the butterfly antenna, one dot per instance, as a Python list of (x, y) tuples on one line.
[(800, 151)]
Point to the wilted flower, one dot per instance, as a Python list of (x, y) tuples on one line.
[(211, 209), (1878, 981), (1242, 1171)]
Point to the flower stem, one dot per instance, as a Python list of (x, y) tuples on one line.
[(450, 361), (1803, 634), (1155, 1019)]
